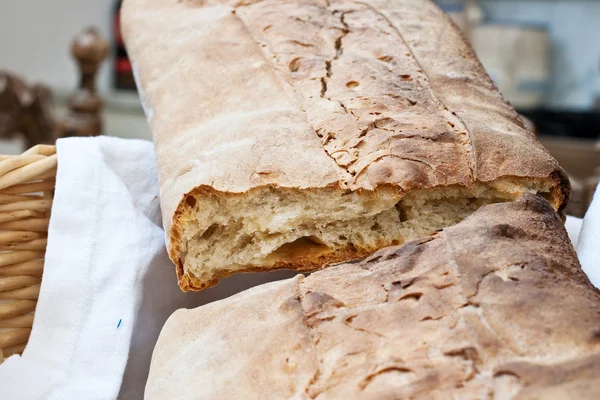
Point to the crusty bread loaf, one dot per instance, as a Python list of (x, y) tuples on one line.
[(495, 307), (298, 133)]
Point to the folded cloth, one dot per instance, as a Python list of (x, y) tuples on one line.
[(573, 227), (588, 243), (108, 285)]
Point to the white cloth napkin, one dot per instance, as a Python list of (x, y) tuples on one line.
[(588, 241), (108, 285)]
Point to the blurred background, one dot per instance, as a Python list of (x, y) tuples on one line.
[(544, 55)]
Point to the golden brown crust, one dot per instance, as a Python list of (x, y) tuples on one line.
[(559, 198), (494, 307), (314, 93), (188, 282)]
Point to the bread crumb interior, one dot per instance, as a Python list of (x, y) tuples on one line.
[(260, 228)]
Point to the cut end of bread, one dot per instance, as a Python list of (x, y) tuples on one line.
[(269, 228)]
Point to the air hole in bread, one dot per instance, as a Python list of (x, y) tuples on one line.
[(307, 246), (191, 201), (209, 232), (352, 84)]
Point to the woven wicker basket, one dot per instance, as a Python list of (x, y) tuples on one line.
[(26, 193)]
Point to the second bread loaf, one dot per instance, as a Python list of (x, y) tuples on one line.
[(495, 307)]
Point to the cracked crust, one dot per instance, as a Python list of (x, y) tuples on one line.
[(315, 94), (495, 307)]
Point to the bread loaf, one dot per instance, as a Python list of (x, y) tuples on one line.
[(290, 134), (495, 307)]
